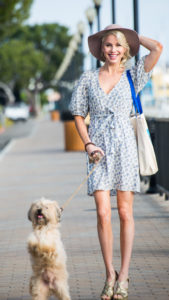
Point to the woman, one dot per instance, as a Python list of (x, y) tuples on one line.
[(106, 94)]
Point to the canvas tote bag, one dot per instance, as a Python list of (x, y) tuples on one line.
[(147, 159)]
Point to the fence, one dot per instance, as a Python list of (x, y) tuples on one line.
[(159, 130)]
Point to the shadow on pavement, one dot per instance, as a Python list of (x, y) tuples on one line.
[(41, 152), (93, 209)]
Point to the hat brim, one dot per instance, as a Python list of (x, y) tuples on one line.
[(95, 40)]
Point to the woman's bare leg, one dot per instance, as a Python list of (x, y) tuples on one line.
[(125, 210), (103, 205)]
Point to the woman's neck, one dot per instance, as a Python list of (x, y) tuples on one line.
[(112, 68)]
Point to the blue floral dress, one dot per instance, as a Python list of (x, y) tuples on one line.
[(110, 128)]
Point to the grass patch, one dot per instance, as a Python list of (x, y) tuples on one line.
[(7, 123)]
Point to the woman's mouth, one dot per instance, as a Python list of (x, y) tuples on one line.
[(113, 56)]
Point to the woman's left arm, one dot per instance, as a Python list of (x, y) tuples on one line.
[(155, 48)]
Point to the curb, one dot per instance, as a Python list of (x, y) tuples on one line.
[(6, 149)]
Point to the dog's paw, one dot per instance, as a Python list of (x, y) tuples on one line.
[(49, 254)]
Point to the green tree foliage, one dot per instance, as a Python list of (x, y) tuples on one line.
[(33, 51), (19, 62), (52, 40), (12, 14), (28, 52)]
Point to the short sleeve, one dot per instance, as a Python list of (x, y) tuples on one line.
[(79, 104), (139, 76)]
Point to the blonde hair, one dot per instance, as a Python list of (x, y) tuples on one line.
[(122, 41)]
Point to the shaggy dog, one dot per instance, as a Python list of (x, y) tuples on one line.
[(47, 253)]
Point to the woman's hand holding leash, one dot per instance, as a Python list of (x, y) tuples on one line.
[(95, 156), (95, 153)]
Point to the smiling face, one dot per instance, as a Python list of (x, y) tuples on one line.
[(112, 50)]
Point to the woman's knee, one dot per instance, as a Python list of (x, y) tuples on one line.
[(102, 199), (125, 205), (104, 216), (125, 214)]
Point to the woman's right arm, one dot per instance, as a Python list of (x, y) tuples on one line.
[(155, 49), (82, 130)]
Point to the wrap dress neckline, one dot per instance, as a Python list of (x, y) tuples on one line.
[(114, 87)]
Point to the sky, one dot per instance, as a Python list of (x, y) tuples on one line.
[(153, 18)]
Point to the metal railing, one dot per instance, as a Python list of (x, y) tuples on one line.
[(159, 130)]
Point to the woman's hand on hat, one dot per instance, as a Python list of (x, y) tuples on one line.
[(155, 49), (95, 153), (140, 38)]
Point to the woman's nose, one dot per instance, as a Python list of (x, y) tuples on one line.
[(113, 48)]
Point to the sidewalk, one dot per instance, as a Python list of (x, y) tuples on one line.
[(37, 166)]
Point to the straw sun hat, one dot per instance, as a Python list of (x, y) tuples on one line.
[(95, 40)]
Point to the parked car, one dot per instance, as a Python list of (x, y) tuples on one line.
[(17, 111)]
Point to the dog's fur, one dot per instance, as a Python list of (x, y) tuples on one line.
[(47, 252)]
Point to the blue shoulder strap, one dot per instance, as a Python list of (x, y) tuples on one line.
[(136, 100)]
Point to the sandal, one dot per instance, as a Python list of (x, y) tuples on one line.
[(108, 289), (120, 290)]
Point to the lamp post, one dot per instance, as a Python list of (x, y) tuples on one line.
[(97, 4), (81, 30), (136, 20), (91, 14), (113, 12), (35, 86)]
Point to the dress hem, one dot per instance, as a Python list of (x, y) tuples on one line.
[(113, 192)]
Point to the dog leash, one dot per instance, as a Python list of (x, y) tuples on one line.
[(80, 186)]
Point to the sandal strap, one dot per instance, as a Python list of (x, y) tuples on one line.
[(121, 290), (108, 289)]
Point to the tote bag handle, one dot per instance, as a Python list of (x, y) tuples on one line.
[(136, 99)]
